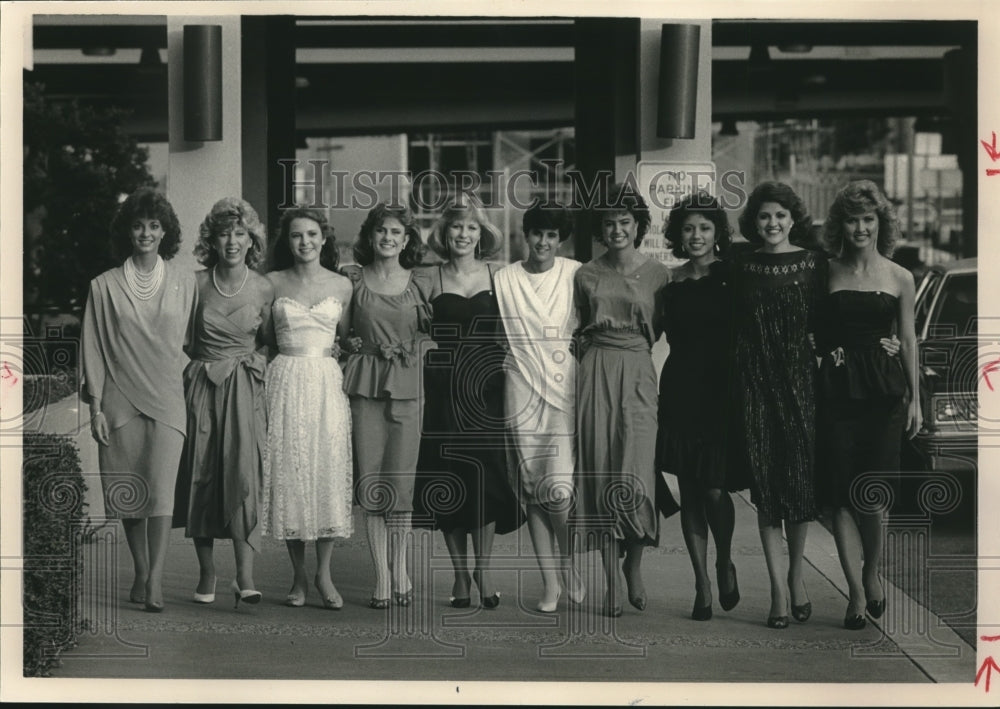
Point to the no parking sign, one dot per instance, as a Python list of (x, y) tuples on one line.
[(663, 184)]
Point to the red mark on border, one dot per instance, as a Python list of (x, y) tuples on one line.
[(8, 375), (991, 150), (990, 638), (991, 367), (990, 172), (989, 664)]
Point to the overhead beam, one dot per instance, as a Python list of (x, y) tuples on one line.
[(744, 33)]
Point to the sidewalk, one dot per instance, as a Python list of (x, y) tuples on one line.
[(432, 641)]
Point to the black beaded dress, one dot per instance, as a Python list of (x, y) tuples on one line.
[(776, 298)]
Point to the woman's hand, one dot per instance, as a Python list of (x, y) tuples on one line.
[(353, 345), (99, 428), (890, 345), (914, 419)]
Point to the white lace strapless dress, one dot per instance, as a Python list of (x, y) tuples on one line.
[(308, 469)]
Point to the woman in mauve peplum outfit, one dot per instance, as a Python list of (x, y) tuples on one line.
[(390, 318)]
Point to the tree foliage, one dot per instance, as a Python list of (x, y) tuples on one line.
[(78, 164)]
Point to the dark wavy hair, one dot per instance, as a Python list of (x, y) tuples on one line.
[(707, 206), (784, 195), (413, 251), (548, 216), (490, 237), (145, 203), (281, 256), (623, 198), (856, 198), (228, 213)]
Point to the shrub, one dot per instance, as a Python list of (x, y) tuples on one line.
[(53, 556), (45, 389)]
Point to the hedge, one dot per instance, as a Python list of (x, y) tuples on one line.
[(53, 556)]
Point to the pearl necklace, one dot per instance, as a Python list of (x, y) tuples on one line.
[(246, 275), (143, 285)]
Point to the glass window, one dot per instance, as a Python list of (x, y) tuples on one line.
[(955, 311)]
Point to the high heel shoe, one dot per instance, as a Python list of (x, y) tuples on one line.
[(490, 602), (248, 596), (637, 601), (803, 612), (379, 604), (459, 602), (137, 595), (729, 600), (331, 603), (610, 608), (701, 612), (854, 621), (403, 598), (295, 600), (875, 608), (543, 607), (778, 622), (205, 597)]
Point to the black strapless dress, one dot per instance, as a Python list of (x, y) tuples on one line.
[(462, 479), (861, 394)]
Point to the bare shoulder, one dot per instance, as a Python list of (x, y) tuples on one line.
[(261, 285), (341, 286), (276, 278), (901, 276)]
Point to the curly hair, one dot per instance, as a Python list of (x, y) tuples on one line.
[(281, 255), (465, 205), (229, 213), (145, 203), (707, 206), (413, 251), (548, 217), (779, 193), (624, 198), (856, 198)]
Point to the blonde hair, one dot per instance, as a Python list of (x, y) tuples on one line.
[(490, 237)]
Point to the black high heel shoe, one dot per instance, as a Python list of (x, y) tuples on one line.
[(778, 622), (854, 621), (729, 600), (875, 608), (701, 612), (803, 612), (490, 602)]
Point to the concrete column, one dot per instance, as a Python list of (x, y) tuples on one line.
[(200, 173)]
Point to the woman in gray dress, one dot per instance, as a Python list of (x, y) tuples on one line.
[(617, 397)]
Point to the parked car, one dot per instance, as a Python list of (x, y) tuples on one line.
[(948, 359)]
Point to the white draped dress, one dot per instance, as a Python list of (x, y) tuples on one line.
[(539, 318)]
